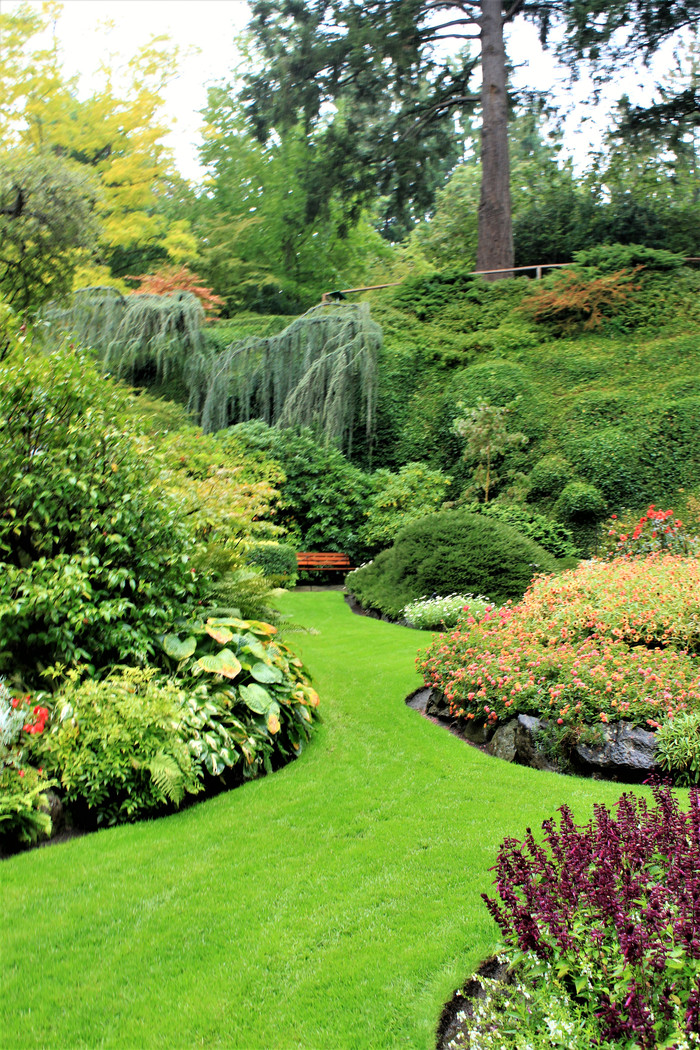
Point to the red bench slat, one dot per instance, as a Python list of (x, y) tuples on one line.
[(323, 560)]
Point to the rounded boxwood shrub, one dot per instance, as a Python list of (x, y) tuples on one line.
[(445, 553), (580, 503), (548, 477), (278, 561)]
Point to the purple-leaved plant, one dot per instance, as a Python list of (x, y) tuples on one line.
[(615, 904)]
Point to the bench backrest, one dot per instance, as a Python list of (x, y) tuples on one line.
[(323, 560)]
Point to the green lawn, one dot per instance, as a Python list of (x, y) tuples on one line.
[(334, 904)]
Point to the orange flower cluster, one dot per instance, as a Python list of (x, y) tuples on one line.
[(603, 642)]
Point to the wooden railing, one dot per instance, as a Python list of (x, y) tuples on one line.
[(538, 269)]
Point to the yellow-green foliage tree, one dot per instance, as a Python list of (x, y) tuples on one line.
[(116, 132)]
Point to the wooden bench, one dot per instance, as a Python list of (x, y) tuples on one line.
[(310, 561)]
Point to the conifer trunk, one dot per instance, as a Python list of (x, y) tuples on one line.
[(495, 249)]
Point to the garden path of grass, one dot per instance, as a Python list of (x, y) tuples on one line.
[(333, 905)]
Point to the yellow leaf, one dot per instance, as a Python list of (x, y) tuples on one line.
[(273, 724)]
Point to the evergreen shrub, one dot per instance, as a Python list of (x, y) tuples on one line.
[(446, 552), (548, 477), (581, 503)]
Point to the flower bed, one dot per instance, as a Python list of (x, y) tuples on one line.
[(605, 642), (606, 916)]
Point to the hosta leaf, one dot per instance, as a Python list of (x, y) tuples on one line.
[(304, 713), (222, 635), (252, 645), (256, 698), (312, 697), (177, 649), (223, 662), (226, 621), (264, 629), (266, 673)]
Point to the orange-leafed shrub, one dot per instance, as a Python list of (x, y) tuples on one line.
[(171, 279), (569, 301)]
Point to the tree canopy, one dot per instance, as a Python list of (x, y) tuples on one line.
[(371, 84)]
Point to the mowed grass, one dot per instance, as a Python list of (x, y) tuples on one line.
[(334, 904)]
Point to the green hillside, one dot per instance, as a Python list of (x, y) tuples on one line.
[(607, 391)]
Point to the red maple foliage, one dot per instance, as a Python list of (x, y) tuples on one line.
[(171, 279)]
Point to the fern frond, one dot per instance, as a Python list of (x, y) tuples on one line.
[(167, 776)]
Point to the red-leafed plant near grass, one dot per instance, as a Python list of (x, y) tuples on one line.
[(611, 910)]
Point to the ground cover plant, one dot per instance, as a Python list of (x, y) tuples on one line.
[(446, 551), (607, 641), (605, 913), (334, 904), (436, 614)]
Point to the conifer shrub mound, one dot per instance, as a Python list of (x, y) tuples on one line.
[(451, 551)]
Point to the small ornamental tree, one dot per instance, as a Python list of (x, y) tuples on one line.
[(171, 279), (485, 429)]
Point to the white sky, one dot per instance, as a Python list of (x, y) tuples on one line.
[(208, 28)]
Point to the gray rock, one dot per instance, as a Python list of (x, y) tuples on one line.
[(418, 699), (437, 705), (526, 729), (502, 743), (624, 750), (54, 808), (476, 732)]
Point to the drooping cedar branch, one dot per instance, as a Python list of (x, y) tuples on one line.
[(320, 371)]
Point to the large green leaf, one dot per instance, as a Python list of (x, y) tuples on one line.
[(256, 698), (179, 650), (223, 662), (222, 635), (253, 646), (266, 673)]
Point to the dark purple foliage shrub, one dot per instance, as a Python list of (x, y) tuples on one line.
[(614, 906)]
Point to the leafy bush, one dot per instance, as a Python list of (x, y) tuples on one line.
[(608, 911), (323, 497), (581, 503), (610, 258), (678, 747), (400, 498), (554, 537), (271, 707), (117, 747), (548, 477), (604, 642), (445, 552), (433, 614), (95, 556), (277, 560)]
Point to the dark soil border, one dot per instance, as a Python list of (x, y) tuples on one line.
[(458, 1011)]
